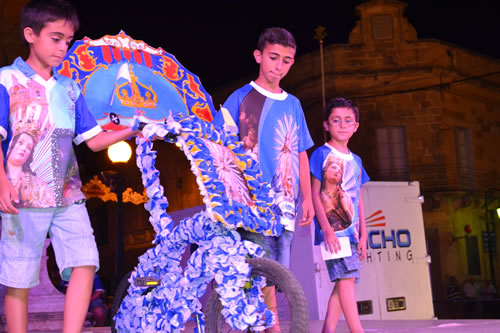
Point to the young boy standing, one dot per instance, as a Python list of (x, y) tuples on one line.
[(41, 115), (337, 177), (272, 126)]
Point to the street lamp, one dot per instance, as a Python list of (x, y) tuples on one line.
[(118, 153)]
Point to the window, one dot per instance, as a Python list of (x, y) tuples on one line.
[(464, 158), (473, 262), (382, 27), (392, 157)]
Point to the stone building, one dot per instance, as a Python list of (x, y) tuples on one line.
[(430, 112)]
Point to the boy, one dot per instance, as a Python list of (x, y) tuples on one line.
[(337, 177), (272, 126), (45, 113)]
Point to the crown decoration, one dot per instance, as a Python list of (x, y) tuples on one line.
[(333, 158), (31, 118), (30, 109), (132, 97)]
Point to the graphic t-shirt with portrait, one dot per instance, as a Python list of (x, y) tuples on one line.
[(39, 121), (341, 176), (273, 129)]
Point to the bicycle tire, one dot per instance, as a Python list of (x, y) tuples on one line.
[(120, 293), (284, 280)]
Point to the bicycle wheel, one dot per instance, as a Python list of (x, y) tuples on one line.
[(120, 293), (293, 311)]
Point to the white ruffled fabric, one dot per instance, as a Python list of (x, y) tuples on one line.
[(220, 255)]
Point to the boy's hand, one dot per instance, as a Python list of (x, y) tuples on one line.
[(8, 195), (331, 240), (307, 213), (362, 248)]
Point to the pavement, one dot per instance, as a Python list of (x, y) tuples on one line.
[(385, 326)]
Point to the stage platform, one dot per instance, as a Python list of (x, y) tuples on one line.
[(385, 326)]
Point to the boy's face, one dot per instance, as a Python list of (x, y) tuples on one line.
[(48, 48), (341, 124), (275, 62)]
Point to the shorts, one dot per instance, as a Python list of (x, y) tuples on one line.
[(345, 268), (23, 237), (276, 248)]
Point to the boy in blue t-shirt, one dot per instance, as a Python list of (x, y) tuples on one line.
[(273, 129), (338, 175), (41, 114)]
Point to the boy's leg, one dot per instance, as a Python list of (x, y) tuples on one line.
[(333, 311), (23, 236), (77, 300), (16, 309), (283, 246), (349, 305), (77, 258), (270, 300), (269, 245)]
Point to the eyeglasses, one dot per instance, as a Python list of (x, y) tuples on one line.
[(335, 122)]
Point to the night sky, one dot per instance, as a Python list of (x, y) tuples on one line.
[(216, 42)]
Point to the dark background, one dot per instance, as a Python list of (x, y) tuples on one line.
[(215, 39)]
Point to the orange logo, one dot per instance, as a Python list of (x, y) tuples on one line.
[(371, 221)]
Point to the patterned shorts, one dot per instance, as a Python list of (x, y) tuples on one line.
[(23, 237)]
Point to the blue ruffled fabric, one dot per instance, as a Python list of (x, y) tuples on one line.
[(220, 255)]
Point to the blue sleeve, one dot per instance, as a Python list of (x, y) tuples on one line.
[(364, 176), (316, 163), (4, 111), (305, 140), (86, 126), (5, 131), (233, 103), (84, 120)]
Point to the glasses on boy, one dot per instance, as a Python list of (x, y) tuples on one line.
[(336, 122)]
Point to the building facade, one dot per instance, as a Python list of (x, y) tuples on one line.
[(430, 112)]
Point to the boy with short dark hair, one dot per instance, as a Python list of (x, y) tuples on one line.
[(337, 177), (273, 128), (41, 114)]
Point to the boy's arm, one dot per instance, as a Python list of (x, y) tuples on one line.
[(363, 237), (7, 192), (331, 241), (305, 188), (105, 139)]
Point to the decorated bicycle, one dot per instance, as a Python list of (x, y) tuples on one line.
[(127, 82)]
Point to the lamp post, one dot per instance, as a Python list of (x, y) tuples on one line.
[(320, 35), (118, 153)]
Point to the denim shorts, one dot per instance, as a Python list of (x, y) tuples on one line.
[(23, 237), (276, 248), (345, 268)]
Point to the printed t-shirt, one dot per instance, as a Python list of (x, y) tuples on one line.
[(273, 129), (341, 176), (39, 121)]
